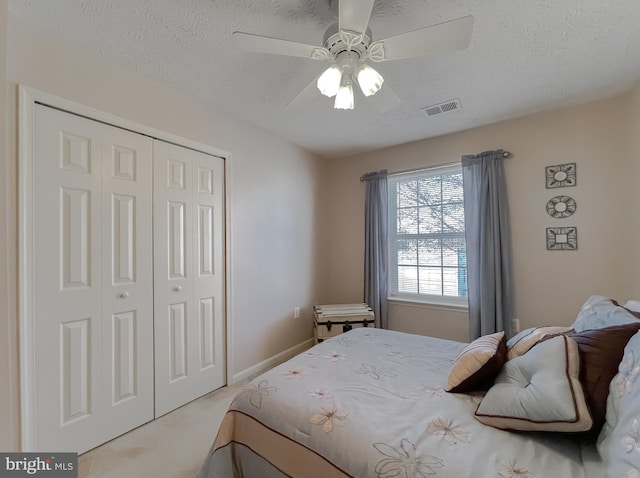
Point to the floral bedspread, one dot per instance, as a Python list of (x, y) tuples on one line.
[(370, 403)]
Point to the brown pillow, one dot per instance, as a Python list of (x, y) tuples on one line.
[(478, 364), (601, 351)]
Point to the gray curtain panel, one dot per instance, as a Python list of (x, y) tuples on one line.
[(375, 245), (488, 237)]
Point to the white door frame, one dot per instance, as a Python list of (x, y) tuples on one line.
[(28, 98)]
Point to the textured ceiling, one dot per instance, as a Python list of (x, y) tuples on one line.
[(525, 56)]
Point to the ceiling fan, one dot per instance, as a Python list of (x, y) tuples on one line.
[(348, 46)]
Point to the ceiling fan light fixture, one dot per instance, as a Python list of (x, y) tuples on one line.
[(344, 98), (347, 44), (329, 81), (369, 79)]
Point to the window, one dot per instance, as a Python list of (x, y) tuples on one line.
[(426, 233)]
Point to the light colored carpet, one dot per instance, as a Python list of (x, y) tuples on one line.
[(173, 446)]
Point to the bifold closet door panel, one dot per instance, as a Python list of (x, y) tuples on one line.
[(127, 286), (189, 275), (92, 279)]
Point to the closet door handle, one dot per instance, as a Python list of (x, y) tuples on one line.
[(177, 288), (123, 295)]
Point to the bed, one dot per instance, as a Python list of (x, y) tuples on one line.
[(372, 403)]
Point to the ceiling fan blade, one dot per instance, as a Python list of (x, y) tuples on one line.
[(384, 99), (354, 15), (447, 36), (306, 96), (276, 46)]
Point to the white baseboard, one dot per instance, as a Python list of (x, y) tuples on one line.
[(271, 361)]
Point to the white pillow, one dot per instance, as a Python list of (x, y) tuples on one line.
[(633, 305), (619, 441), (539, 391), (598, 312)]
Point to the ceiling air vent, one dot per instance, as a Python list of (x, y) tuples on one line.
[(445, 107)]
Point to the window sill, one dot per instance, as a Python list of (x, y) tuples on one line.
[(432, 304)]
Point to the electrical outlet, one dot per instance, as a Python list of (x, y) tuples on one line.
[(296, 312)]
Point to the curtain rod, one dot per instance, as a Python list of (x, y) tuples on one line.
[(505, 155)]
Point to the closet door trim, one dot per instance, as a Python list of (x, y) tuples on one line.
[(28, 99)]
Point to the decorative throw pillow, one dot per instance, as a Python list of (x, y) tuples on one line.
[(601, 351), (522, 342), (539, 391), (478, 363), (598, 312)]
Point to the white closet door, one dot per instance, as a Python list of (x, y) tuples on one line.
[(189, 275), (93, 281), (127, 280)]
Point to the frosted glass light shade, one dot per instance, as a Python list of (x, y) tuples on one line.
[(344, 98), (370, 80), (329, 81)]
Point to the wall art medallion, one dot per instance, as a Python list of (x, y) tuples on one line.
[(562, 238), (561, 206), (561, 175)]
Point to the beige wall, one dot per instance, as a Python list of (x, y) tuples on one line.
[(550, 286), (634, 124), (274, 188)]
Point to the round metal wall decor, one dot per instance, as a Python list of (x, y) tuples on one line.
[(561, 206)]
